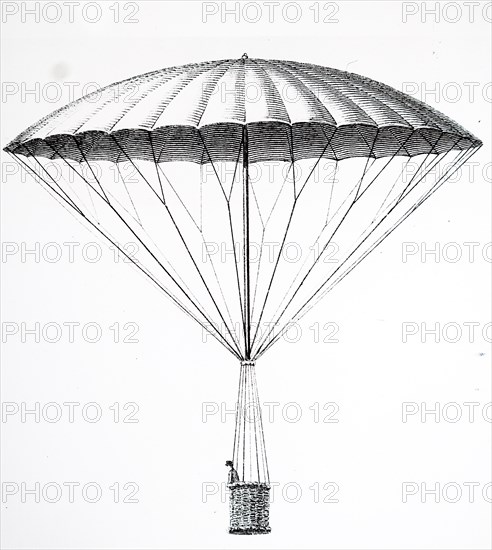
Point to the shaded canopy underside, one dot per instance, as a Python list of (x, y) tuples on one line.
[(197, 113), (267, 142)]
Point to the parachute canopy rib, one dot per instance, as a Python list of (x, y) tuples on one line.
[(188, 110)]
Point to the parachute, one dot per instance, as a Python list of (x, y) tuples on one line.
[(250, 188)]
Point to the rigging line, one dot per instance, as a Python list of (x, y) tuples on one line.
[(155, 164), (300, 313), (237, 419), (278, 195), (93, 205), (36, 177), (244, 417), (205, 284), (137, 169), (291, 149), (88, 192), (232, 231), (105, 198), (258, 429), (330, 139), (433, 147), (263, 240), (318, 160), (333, 180), (313, 265), (397, 179), (238, 282), (458, 159), (143, 270), (347, 197), (246, 244), (201, 192), (422, 199), (257, 275), (249, 424), (213, 165), (235, 169), (255, 407), (188, 252), (372, 162), (398, 199), (90, 168), (262, 311), (205, 248), (366, 170), (252, 398), (277, 318), (437, 161), (56, 153), (392, 157), (186, 294), (167, 261), (416, 172), (143, 229), (236, 262), (201, 231), (158, 168), (312, 247), (262, 429), (138, 220), (70, 201), (385, 199), (294, 203), (257, 205), (397, 139), (146, 272)]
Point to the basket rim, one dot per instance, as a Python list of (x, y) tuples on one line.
[(249, 484)]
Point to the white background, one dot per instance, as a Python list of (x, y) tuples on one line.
[(170, 373)]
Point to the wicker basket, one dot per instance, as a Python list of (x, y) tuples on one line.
[(249, 508)]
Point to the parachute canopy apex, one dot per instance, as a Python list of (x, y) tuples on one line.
[(198, 112)]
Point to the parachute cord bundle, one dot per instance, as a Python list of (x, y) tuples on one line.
[(249, 500)]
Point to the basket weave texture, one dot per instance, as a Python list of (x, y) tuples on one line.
[(249, 505)]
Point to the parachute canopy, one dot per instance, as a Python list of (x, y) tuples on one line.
[(245, 189), (291, 111)]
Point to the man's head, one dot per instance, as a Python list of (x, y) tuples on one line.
[(229, 463)]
